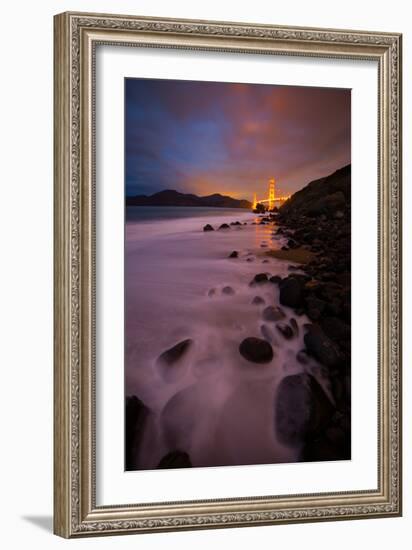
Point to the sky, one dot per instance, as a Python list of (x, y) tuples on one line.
[(215, 137)]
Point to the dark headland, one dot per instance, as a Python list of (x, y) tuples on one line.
[(170, 197)]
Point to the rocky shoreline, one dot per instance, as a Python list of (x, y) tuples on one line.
[(314, 229)]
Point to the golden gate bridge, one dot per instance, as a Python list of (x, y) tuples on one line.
[(272, 199)]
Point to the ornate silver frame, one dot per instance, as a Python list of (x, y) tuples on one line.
[(75, 38)]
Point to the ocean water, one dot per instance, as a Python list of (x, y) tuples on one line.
[(149, 213), (213, 404)]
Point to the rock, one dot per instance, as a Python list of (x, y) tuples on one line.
[(291, 292), (301, 277), (258, 300), (265, 261), (335, 328), (224, 226), (314, 307), (313, 285), (328, 276), (302, 409), (208, 227), (285, 330), (250, 259), (175, 353), (327, 204), (228, 290), (260, 278), (175, 459), (211, 292), (135, 417), (275, 279), (273, 313), (256, 350), (292, 243), (234, 254), (330, 291), (322, 347)]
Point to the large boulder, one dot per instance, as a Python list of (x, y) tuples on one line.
[(322, 347), (302, 409), (256, 350), (291, 292)]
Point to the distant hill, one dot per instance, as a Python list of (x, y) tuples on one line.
[(170, 197), (323, 196)]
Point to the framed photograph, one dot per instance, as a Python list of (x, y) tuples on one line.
[(227, 274)]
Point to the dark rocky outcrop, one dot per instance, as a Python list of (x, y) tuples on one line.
[(256, 350), (208, 227), (224, 226), (258, 300), (318, 219), (234, 254), (325, 196)]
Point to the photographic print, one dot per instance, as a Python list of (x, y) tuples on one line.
[(226, 288), (237, 274)]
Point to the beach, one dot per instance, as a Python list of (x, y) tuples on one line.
[(210, 402)]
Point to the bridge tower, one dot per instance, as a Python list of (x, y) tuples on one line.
[(254, 201), (271, 193)]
